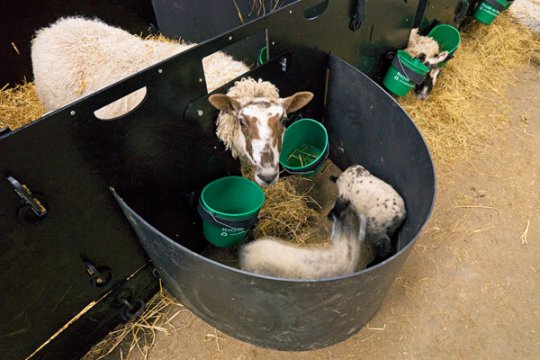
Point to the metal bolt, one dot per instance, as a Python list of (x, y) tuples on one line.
[(283, 63), (160, 71), (72, 113), (200, 112), (273, 43), (230, 38), (200, 80), (290, 11)]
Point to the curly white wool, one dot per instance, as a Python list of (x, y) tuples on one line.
[(76, 56), (419, 44), (275, 257)]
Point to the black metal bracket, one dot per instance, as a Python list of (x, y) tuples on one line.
[(26, 196), (461, 11), (358, 16), (132, 309)]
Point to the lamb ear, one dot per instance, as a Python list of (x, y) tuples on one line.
[(224, 103), (339, 207), (441, 57), (413, 37), (297, 101)]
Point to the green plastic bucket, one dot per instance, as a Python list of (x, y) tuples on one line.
[(447, 37), (263, 55), (229, 207), (404, 73), (304, 148), (487, 11)]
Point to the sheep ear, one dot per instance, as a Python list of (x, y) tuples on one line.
[(297, 101), (339, 207), (441, 57), (412, 37), (224, 103)]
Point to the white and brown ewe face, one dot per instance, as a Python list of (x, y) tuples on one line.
[(260, 121)]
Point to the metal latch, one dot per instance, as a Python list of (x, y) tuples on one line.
[(25, 194), (130, 307), (99, 277)]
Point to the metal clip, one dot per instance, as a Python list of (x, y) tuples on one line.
[(26, 195), (131, 310), (283, 63)]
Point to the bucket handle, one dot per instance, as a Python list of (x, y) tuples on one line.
[(209, 216), (409, 74)]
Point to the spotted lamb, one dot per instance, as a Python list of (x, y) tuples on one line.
[(427, 50), (373, 198)]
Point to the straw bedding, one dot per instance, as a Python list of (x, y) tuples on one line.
[(451, 121), (454, 125), (19, 105), (136, 337)]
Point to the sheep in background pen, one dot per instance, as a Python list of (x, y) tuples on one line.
[(76, 56), (373, 198), (250, 124), (422, 46), (427, 50)]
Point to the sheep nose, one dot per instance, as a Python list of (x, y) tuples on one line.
[(267, 179)]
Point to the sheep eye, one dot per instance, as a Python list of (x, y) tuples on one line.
[(241, 121)]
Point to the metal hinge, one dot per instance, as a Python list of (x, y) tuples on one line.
[(28, 198)]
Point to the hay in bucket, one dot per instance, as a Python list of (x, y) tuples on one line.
[(19, 105), (291, 214), (452, 120)]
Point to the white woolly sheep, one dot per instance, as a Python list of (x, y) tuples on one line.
[(250, 124), (427, 50), (275, 257), (422, 45), (76, 56), (373, 198)]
